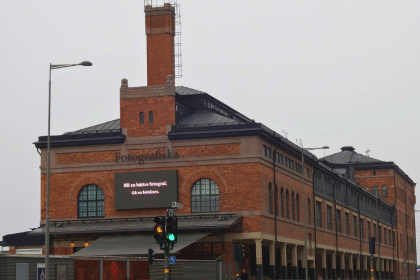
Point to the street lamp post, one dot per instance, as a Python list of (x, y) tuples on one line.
[(47, 206), (305, 253)]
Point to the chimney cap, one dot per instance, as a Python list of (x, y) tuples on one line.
[(348, 148), (124, 82)]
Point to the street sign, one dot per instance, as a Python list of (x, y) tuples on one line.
[(172, 259)]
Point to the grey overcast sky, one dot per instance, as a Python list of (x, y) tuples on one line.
[(331, 73)]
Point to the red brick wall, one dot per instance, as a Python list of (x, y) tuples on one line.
[(160, 47), (231, 180), (163, 114), (86, 157), (183, 152), (208, 150), (62, 251)]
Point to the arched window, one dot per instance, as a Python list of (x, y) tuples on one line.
[(287, 205), (375, 190), (297, 208), (384, 191), (282, 202), (270, 205), (293, 206), (91, 202), (205, 196)]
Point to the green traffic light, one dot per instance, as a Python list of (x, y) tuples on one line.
[(171, 237)]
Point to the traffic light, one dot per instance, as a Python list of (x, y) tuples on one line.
[(150, 256), (372, 245), (171, 233), (238, 252), (159, 229)]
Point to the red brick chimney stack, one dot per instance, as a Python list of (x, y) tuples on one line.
[(160, 31)]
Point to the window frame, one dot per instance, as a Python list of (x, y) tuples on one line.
[(150, 116), (385, 191), (355, 226), (209, 194), (329, 217), (318, 209), (347, 222), (100, 197), (338, 220)]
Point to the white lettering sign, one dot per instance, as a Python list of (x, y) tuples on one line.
[(37, 251)]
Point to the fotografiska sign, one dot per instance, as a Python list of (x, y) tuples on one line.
[(141, 158)]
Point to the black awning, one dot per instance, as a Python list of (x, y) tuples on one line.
[(134, 245), (203, 222)]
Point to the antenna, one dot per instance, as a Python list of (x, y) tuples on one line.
[(285, 133), (367, 152)]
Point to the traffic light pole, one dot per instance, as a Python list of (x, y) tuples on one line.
[(372, 273), (166, 262)]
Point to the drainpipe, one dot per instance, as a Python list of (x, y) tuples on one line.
[(274, 269), (396, 228), (336, 231), (314, 209), (360, 234)]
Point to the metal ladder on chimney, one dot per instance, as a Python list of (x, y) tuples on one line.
[(178, 32)]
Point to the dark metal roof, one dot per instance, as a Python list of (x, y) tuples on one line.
[(201, 222), (23, 239), (71, 140), (187, 91), (111, 126), (206, 118), (348, 156), (134, 244)]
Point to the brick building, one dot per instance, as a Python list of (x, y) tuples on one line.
[(239, 182)]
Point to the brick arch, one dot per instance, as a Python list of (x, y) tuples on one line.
[(195, 176), (89, 179)]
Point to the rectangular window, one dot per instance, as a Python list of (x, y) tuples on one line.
[(393, 238), (307, 170), (318, 214), (389, 236), (299, 168), (347, 217), (329, 222), (385, 236), (374, 232), (362, 234), (327, 180), (368, 229), (291, 164), (355, 226), (338, 220), (278, 158), (141, 117), (267, 151), (150, 116), (379, 234)]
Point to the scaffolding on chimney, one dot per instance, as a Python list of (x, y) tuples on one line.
[(178, 32)]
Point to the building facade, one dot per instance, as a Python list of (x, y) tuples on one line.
[(239, 181)]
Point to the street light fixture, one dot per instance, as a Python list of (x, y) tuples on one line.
[(304, 208), (47, 208)]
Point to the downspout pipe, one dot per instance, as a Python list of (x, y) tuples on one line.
[(360, 234), (336, 231), (396, 230), (274, 269), (314, 211)]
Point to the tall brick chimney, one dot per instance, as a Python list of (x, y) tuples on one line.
[(160, 31)]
